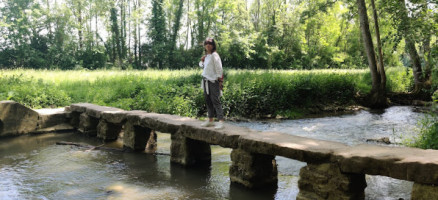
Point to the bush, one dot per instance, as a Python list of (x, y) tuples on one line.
[(31, 92), (247, 93)]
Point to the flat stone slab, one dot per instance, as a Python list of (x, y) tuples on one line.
[(115, 117), (93, 110), (56, 128), (290, 146), (164, 123), (418, 165), (80, 107), (51, 117), (227, 137)]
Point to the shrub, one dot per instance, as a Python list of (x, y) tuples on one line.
[(247, 93)]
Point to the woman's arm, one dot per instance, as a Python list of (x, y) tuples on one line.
[(217, 65), (201, 63)]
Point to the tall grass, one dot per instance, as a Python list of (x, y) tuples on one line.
[(247, 93), (428, 129)]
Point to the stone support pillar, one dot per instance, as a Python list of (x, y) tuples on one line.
[(108, 131), (75, 118), (253, 170), (188, 152), (135, 137), (151, 146), (424, 192), (88, 124), (326, 181)]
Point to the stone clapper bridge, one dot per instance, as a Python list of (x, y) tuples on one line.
[(334, 170)]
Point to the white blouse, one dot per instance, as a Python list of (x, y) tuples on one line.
[(212, 67)]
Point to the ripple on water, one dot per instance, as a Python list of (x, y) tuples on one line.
[(48, 171)]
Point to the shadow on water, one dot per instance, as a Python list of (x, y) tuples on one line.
[(238, 192), (33, 167), (195, 177)]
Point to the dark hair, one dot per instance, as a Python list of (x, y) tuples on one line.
[(212, 42)]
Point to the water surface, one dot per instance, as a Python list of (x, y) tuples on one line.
[(34, 167)]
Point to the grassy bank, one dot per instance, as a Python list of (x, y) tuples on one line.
[(247, 93)]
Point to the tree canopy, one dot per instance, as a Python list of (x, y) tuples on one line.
[(251, 34)]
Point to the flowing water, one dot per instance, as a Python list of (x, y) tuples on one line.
[(34, 167)]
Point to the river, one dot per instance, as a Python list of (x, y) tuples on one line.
[(34, 167)]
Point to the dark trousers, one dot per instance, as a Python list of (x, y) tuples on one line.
[(213, 101)]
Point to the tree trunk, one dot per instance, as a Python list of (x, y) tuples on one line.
[(139, 38), (80, 27), (377, 97), (135, 37), (188, 24), (380, 66), (176, 27), (410, 46), (428, 60)]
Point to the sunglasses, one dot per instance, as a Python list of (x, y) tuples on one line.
[(208, 42)]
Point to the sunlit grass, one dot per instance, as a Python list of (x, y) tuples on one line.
[(249, 93)]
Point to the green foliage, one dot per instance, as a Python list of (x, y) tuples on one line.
[(428, 137), (400, 79), (247, 93), (267, 34), (93, 58), (32, 92), (158, 35)]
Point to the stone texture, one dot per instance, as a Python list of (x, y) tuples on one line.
[(80, 107), (151, 145), (290, 146), (326, 181), (227, 137), (424, 192), (164, 123), (108, 131), (56, 128), (52, 117), (75, 119), (88, 125), (16, 119), (135, 137), (96, 111), (189, 152), (115, 117), (417, 165), (253, 170)]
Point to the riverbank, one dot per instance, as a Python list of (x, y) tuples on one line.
[(252, 94)]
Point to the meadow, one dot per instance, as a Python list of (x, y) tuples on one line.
[(247, 93)]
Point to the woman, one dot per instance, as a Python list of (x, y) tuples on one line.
[(211, 77)]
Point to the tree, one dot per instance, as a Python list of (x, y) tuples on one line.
[(377, 97), (176, 27), (116, 41), (414, 22), (157, 35), (410, 46)]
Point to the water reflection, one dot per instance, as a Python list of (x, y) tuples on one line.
[(33, 167)]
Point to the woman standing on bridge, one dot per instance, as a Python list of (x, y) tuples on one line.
[(211, 83)]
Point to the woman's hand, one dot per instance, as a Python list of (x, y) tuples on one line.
[(203, 58)]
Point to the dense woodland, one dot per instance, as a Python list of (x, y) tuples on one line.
[(251, 34)]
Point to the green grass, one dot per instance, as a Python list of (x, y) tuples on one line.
[(247, 93)]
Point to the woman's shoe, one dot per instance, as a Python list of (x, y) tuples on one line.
[(219, 125), (207, 123)]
